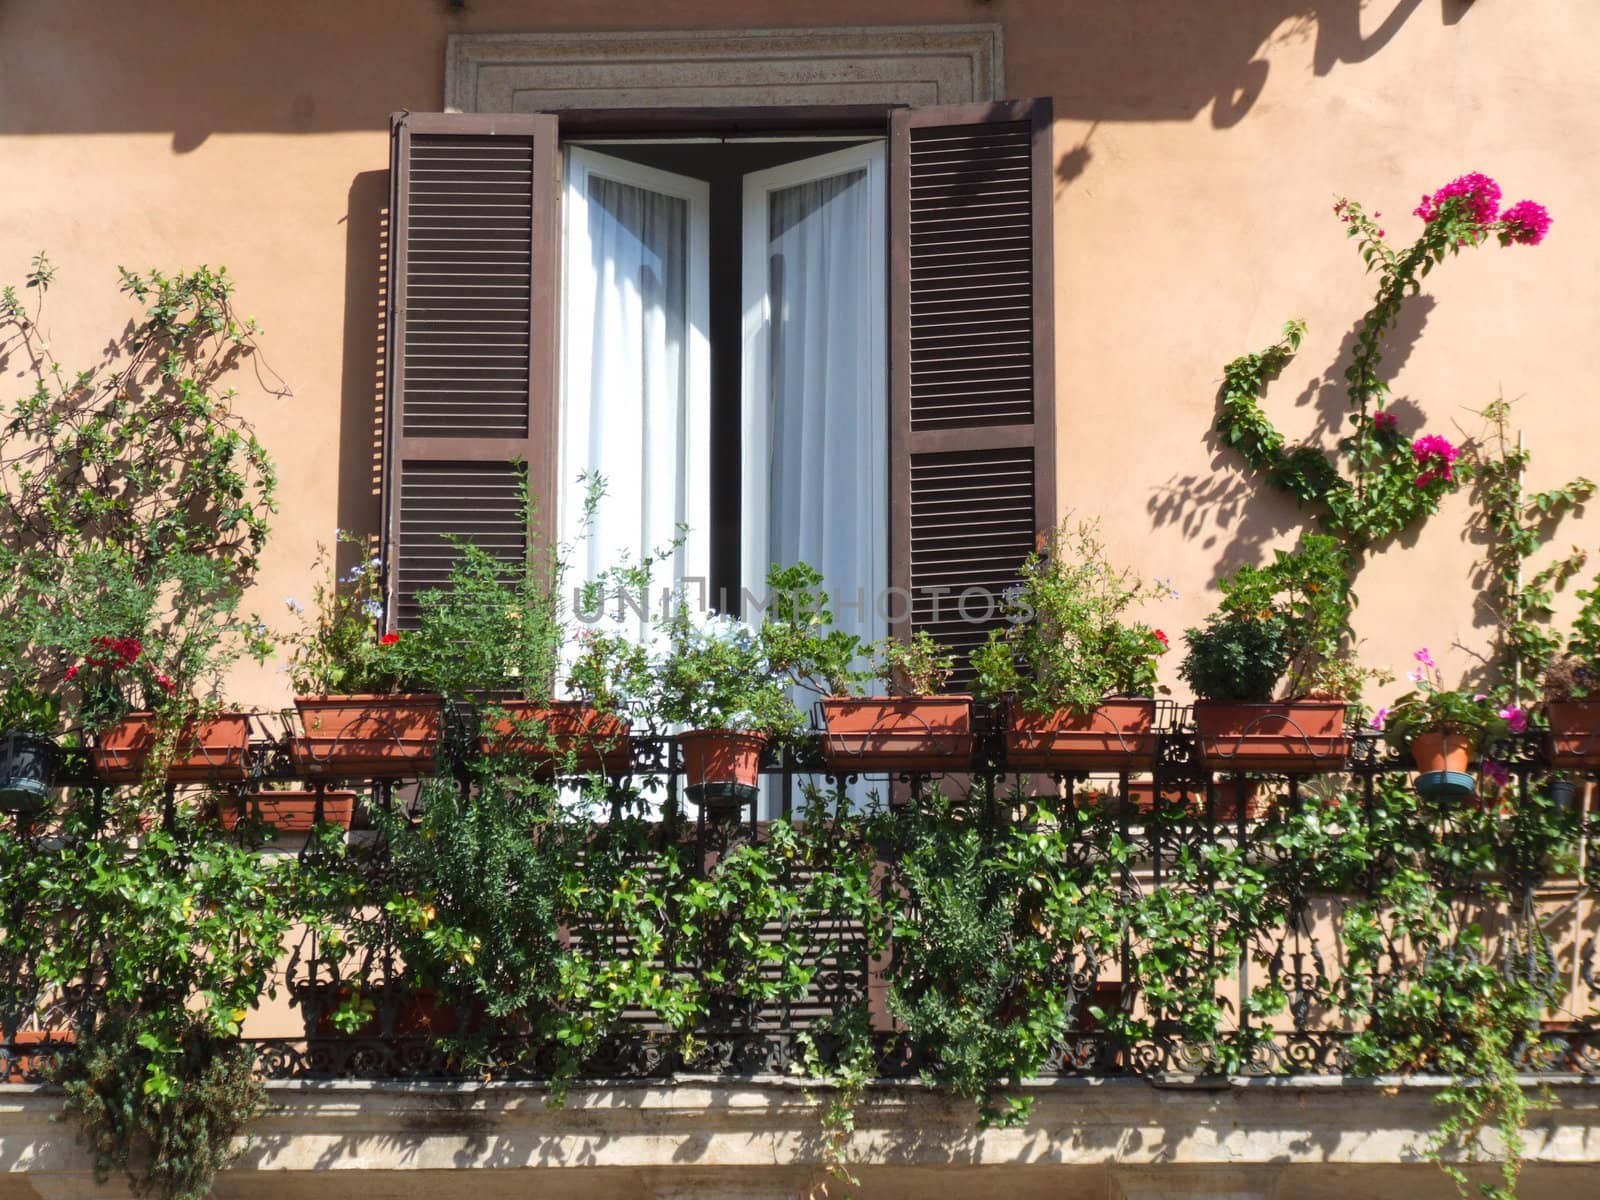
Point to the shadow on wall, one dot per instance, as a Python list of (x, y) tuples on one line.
[(282, 73), (1175, 59), (1233, 511), (366, 276)]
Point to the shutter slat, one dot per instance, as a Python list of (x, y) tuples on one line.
[(970, 247)]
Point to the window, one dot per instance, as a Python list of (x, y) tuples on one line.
[(891, 393)]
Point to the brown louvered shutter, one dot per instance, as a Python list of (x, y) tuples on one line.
[(470, 409), (971, 435)]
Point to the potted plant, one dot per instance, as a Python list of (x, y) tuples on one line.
[(1279, 627), (28, 722), (198, 743), (359, 716), (1077, 679), (1571, 688), (1442, 729), (915, 728), (720, 682)]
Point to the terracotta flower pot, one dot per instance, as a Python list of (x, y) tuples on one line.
[(1118, 735), (207, 751), (1441, 752), (367, 737), (1574, 733), (566, 736), (721, 764), (897, 733), (290, 811), (1442, 760), (1292, 737)]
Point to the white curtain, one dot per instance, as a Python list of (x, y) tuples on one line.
[(818, 373), (634, 392)]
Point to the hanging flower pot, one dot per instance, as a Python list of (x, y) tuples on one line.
[(210, 751), (565, 737), (1574, 733), (721, 765), (1442, 760), (1118, 735), (1285, 738), (367, 736), (27, 767), (289, 811), (897, 733)]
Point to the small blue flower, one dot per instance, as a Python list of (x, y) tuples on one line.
[(372, 609), (293, 605)]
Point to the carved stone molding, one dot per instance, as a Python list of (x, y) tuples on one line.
[(900, 64)]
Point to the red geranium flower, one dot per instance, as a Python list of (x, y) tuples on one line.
[(388, 639), (1162, 638)]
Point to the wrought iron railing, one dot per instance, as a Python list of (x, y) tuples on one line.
[(1173, 809)]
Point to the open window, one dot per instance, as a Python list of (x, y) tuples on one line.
[(879, 404)]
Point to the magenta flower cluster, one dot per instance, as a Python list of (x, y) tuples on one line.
[(1479, 198), (1476, 197), (1386, 421), (1436, 456), (1525, 223)]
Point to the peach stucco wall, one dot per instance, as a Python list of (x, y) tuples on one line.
[(1199, 148)]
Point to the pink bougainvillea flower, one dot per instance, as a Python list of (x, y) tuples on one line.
[(1378, 718), (1516, 720), (1524, 223), (1496, 773), (164, 682), (1474, 196), (1436, 456), (1385, 420)]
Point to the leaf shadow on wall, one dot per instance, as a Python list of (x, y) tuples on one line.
[(1175, 59), (1234, 512)]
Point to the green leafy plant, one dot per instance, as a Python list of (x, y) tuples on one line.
[(339, 647), (1380, 481), (717, 672), (1285, 621), (1066, 644), (25, 709), (918, 666), (135, 506), (1433, 708), (164, 1110)]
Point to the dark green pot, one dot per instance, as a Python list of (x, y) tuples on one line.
[(27, 766)]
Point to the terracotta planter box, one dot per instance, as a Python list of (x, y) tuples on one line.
[(421, 1012), (208, 751), (1230, 796), (1119, 735), (367, 737), (572, 733), (1295, 737), (1574, 733), (897, 733), (721, 764), (23, 1064), (290, 811)]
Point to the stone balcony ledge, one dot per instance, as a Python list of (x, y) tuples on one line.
[(1123, 1139)]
